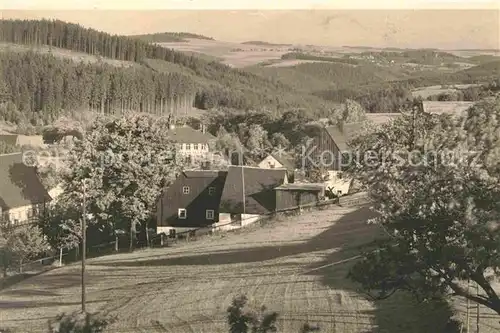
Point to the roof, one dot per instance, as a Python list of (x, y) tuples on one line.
[(10, 139), (285, 160), (203, 173), (255, 184), (19, 183), (452, 108), (186, 134), (302, 186), (343, 133), (382, 118)]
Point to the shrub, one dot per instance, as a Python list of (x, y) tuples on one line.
[(79, 323)]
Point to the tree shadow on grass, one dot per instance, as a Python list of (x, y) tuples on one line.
[(400, 313)]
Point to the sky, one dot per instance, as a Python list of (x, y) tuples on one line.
[(382, 23)]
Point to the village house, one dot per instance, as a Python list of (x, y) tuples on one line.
[(191, 202), (190, 142), (225, 200), (22, 195), (293, 195), (23, 140)]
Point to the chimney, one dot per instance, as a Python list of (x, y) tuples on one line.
[(203, 128)]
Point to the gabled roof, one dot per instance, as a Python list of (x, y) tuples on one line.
[(343, 133), (255, 184), (285, 159), (447, 107), (19, 183), (302, 186), (186, 134)]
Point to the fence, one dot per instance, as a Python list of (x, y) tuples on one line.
[(344, 201)]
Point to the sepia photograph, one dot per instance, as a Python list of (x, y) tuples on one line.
[(206, 166)]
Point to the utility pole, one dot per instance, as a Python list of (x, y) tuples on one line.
[(84, 247), (477, 309), (243, 186), (468, 305)]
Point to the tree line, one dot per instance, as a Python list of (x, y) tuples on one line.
[(40, 86)]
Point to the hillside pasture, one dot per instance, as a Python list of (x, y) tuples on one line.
[(188, 287), (232, 54), (293, 62)]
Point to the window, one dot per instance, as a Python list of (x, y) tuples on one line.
[(209, 214), (339, 175), (211, 190), (195, 146), (181, 213), (188, 146), (185, 190)]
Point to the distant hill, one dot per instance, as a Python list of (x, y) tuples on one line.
[(261, 43), (169, 37), (158, 79)]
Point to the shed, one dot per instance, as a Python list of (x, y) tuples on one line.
[(290, 196)]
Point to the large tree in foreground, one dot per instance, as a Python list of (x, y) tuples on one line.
[(122, 164), (435, 182)]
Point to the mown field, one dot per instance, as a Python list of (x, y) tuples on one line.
[(188, 287)]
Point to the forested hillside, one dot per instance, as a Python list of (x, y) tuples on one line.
[(41, 86), (208, 84)]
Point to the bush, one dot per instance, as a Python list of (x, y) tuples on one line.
[(79, 323), (243, 319)]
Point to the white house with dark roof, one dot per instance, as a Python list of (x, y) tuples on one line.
[(22, 195), (191, 142)]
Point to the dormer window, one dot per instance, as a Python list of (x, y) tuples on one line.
[(185, 190), (211, 190)]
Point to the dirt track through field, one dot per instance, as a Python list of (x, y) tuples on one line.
[(188, 287)]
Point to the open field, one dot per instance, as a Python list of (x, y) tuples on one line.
[(187, 287)]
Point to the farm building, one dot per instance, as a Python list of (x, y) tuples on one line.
[(249, 193), (22, 195), (230, 199), (328, 144), (192, 201), (190, 142), (290, 196), (23, 140), (277, 161)]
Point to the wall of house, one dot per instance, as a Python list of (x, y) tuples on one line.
[(270, 162), (287, 199), (323, 145), (21, 214), (196, 202)]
